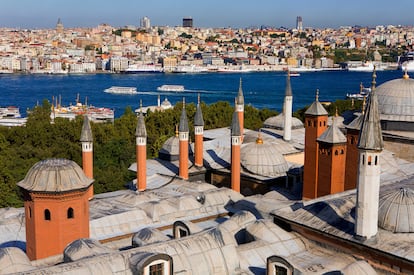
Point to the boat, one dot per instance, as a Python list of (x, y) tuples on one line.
[(294, 74), (10, 116), (366, 67), (363, 92), (303, 69), (121, 90), (171, 88), (234, 69), (192, 69), (148, 68), (95, 114)]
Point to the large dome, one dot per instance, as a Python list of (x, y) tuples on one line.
[(278, 122), (396, 103), (55, 175)]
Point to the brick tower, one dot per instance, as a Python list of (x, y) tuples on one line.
[(141, 152), (352, 135), (332, 156), (316, 121), (86, 140), (56, 206), (183, 131), (198, 135), (235, 152)]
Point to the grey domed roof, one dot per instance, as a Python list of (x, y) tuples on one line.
[(396, 99), (396, 211), (278, 122), (13, 259), (170, 149), (263, 159), (359, 267), (83, 248), (166, 104), (55, 175)]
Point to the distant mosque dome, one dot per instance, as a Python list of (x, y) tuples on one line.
[(278, 122), (166, 104), (396, 104), (396, 209), (55, 175), (263, 158)]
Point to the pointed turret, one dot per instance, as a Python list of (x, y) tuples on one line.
[(287, 110), (141, 152), (316, 121), (198, 133), (86, 140), (331, 160), (370, 146), (240, 107), (183, 147), (235, 152)]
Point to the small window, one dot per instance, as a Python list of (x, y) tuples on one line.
[(363, 159), (320, 123), (47, 215), (324, 123), (314, 124), (280, 270), (183, 232), (70, 213), (369, 160), (30, 212), (156, 269), (376, 160), (342, 151), (336, 152), (309, 123)]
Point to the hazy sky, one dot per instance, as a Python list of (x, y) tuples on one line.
[(205, 13)]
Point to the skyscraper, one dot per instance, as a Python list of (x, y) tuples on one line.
[(299, 23), (145, 22), (188, 22)]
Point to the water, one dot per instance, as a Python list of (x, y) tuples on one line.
[(261, 89)]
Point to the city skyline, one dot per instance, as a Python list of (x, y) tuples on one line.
[(214, 13)]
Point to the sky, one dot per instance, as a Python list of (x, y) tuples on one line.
[(37, 14)]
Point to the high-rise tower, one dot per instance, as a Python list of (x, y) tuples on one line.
[(299, 23)]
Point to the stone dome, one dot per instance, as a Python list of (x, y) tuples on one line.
[(263, 158), (166, 104), (396, 100), (13, 259), (170, 150), (55, 175), (84, 248), (278, 122), (396, 210)]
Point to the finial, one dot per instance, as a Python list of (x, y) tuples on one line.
[(364, 102), (176, 130), (317, 95), (259, 139), (406, 76), (183, 102), (336, 111), (198, 98), (374, 76), (140, 105), (240, 85)]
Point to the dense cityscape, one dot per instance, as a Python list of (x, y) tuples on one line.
[(187, 48)]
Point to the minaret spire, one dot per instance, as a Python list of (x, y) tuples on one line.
[(240, 107), (141, 152), (86, 140)]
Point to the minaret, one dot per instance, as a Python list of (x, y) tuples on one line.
[(198, 134), (370, 146), (332, 157), (86, 140), (316, 121), (141, 152), (183, 147), (287, 110), (235, 152), (59, 26), (240, 108), (352, 154)]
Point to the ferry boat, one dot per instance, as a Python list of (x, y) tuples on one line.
[(10, 116), (121, 90), (147, 68), (192, 69), (95, 114), (171, 88), (363, 92)]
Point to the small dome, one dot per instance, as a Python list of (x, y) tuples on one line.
[(262, 158), (396, 211), (83, 248), (148, 236), (55, 175), (359, 267), (166, 104), (171, 149), (13, 259), (278, 122), (396, 99)]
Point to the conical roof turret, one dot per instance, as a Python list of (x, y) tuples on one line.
[(316, 109), (141, 130), (198, 117), (235, 125), (240, 97), (86, 134), (370, 137), (183, 127), (333, 134)]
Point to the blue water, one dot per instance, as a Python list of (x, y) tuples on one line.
[(261, 89)]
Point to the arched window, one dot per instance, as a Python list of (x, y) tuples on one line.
[(342, 151), (47, 215), (324, 123), (369, 160), (70, 213), (363, 159), (30, 212), (336, 152), (376, 160)]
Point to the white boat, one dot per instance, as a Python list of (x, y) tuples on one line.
[(366, 67), (234, 69), (363, 92), (303, 69), (149, 68), (9, 112), (171, 88), (192, 69), (121, 90)]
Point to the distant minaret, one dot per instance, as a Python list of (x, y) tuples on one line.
[(287, 110), (316, 122), (370, 146), (198, 133), (141, 152), (332, 156), (235, 152), (86, 140), (352, 154), (59, 26), (240, 108), (299, 23), (183, 147)]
